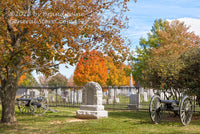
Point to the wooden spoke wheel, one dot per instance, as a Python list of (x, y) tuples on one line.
[(155, 109), (23, 104), (39, 105), (185, 110)]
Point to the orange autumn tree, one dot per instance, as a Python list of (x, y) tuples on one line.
[(119, 74), (91, 67)]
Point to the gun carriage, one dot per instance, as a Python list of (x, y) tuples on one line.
[(37, 105), (183, 108)]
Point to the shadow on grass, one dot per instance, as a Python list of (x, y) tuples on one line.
[(144, 117), (130, 114)]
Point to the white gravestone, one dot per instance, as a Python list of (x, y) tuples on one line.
[(79, 96), (162, 96), (91, 107), (59, 92), (46, 93), (141, 90), (111, 95), (33, 92), (104, 101), (75, 96), (151, 93), (145, 97), (117, 100), (52, 98), (67, 94), (72, 96)]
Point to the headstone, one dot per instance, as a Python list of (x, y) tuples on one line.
[(145, 97), (162, 96), (79, 96), (104, 101), (67, 94), (72, 96), (59, 91), (111, 95), (52, 98), (110, 101), (117, 100), (151, 93), (134, 101), (141, 90), (91, 107), (159, 92), (46, 93), (32, 94), (167, 94), (75, 96), (65, 100), (21, 92)]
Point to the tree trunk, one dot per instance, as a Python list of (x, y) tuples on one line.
[(7, 94)]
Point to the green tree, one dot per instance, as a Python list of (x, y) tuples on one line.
[(139, 63), (164, 63), (57, 80), (189, 75)]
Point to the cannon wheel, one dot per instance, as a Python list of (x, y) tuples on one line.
[(155, 109), (39, 105), (23, 106), (185, 110)]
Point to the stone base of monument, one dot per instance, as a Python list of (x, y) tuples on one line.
[(134, 106), (91, 112)]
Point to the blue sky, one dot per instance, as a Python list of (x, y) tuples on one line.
[(143, 13)]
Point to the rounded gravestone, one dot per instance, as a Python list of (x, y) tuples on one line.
[(91, 107)]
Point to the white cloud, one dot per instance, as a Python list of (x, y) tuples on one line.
[(193, 23)]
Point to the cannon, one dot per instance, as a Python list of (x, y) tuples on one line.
[(37, 105), (184, 109)]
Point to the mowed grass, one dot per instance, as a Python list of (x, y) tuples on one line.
[(118, 122)]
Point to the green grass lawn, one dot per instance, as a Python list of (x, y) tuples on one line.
[(118, 122)]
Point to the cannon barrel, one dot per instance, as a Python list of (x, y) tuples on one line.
[(23, 99), (169, 101)]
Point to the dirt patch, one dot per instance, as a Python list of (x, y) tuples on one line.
[(56, 122), (75, 120), (68, 120)]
